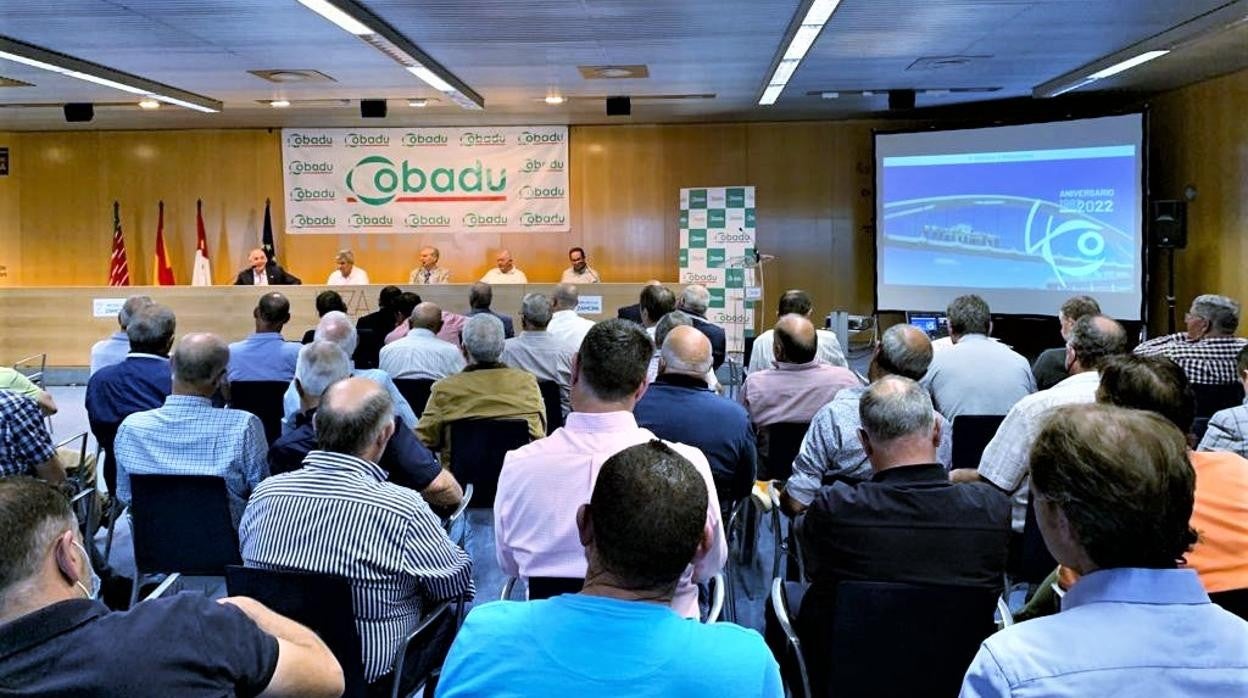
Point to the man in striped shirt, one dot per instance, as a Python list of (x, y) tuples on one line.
[(338, 515)]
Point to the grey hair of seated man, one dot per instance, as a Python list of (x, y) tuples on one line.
[(1221, 312), (199, 362), (335, 326), (132, 305), (565, 297), (898, 423), (686, 351), (904, 350), (151, 328), (321, 364), (694, 299), (667, 323), (355, 417), (535, 311), (483, 339)]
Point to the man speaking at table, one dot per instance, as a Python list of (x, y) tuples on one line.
[(261, 271)]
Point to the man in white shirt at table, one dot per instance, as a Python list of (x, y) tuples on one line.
[(579, 272), (347, 274), (505, 272)]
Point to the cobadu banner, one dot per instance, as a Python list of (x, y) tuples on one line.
[(717, 233), (426, 180)]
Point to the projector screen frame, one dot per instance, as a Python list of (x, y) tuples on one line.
[(1145, 251)]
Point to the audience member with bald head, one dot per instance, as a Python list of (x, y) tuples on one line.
[(795, 302), (566, 327), (420, 354), (356, 524), (264, 355), (480, 296), (263, 271), (695, 300), (679, 406), (907, 524), (832, 448), (799, 384), (188, 436), (505, 271)]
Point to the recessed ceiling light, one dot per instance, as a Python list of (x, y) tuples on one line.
[(554, 99), (149, 104), (419, 102), (279, 103)]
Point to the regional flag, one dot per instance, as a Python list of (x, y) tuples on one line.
[(267, 241), (118, 268), (201, 273), (163, 272)]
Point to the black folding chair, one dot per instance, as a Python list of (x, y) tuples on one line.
[(320, 601), (415, 391), (180, 523), (971, 434), (554, 405), (1035, 561), (368, 348), (784, 440), (477, 450), (1210, 399), (425, 648), (543, 587), (263, 399), (1235, 601)]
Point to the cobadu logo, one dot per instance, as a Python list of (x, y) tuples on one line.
[(363, 220), (530, 192), (303, 140), (306, 194), (470, 139), (538, 138), (376, 180), (301, 221), (529, 219), (732, 237), (299, 167), (534, 165), (364, 140), (415, 140), (693, 277), (416, 220), (476, 220), (728, 318)]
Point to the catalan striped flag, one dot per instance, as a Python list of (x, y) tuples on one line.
[(118, 268)]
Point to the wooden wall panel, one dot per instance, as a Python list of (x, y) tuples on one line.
[(10, 216)]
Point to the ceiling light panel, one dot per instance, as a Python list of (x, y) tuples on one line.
[(814, 16)]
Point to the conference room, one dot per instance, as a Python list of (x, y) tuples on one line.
[(623, 347)]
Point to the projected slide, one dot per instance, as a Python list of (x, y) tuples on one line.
[(1026, 216)]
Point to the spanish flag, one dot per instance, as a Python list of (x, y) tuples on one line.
[(163, 272)]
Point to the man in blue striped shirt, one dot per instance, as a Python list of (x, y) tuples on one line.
[(338, 515)]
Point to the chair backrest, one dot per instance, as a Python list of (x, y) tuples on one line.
[(931, 633), (554, 405), (971, 433), (368, 348), (33, 367), (1035, 561), (1211, 398), (182, 523), (1235, 601), (477, 450), (415, 391), (546, 587), (320, 601), (784, 440), (263, 399)]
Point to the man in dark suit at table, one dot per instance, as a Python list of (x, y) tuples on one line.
[(261, 271), (633, 312)]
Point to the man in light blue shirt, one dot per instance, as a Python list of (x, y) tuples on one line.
[(264, 355), (618, 637), (420, 354), (977, 375), (1113, 492), (114, 348), (336, 327)]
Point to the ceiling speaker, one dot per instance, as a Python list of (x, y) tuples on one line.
[(76, 112), (372, 108), (900, 99), (619, 106)]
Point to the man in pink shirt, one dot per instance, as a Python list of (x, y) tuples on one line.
[(800, 383), (544, 483)]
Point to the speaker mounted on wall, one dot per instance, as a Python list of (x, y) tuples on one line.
[(78, 112), (619, 106), (372, 108), (1168, 227)]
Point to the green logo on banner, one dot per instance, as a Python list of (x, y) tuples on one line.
[(751, 255), (684, 257), (697, 238), (717, 297), (736, 198), (715, 218), (715, 257), (697, 198), (735, 278), (684, 218), (749, 218)]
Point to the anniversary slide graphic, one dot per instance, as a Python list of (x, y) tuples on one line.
[(1059, 219)]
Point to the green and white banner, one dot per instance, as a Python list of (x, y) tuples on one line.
[(717, 250), (426, 180)]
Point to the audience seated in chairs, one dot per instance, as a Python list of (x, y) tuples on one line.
[(1049, 368), (264, 355), (403, 308), (799, 384), (538, 352), (795, 302), (907, 524), (656, 302), (420, 354), (694, 301), (542, 484), (1228, 428), (354, 523), (1208, 350), (977, 375), (832, 449), (25, 445), (406, 461), (1114, 496), (326, 301), (336, 327), (565, 326), (113, 349), (676, 318), (1093, 339), (642, 526), (633, 312), (56, 637), (374, 327), (140, 382), (187, 435), (15, 381), (486, 389), (480, 296), (679, 406)]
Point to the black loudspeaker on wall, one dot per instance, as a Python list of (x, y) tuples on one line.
[(619, 106), (1169, 225), (79, 111), (372, 108)]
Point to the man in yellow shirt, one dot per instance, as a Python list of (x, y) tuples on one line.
[(14, 381)]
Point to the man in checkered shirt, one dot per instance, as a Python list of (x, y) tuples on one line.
[(1207, 350), (1228, 430), (25, 444)]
